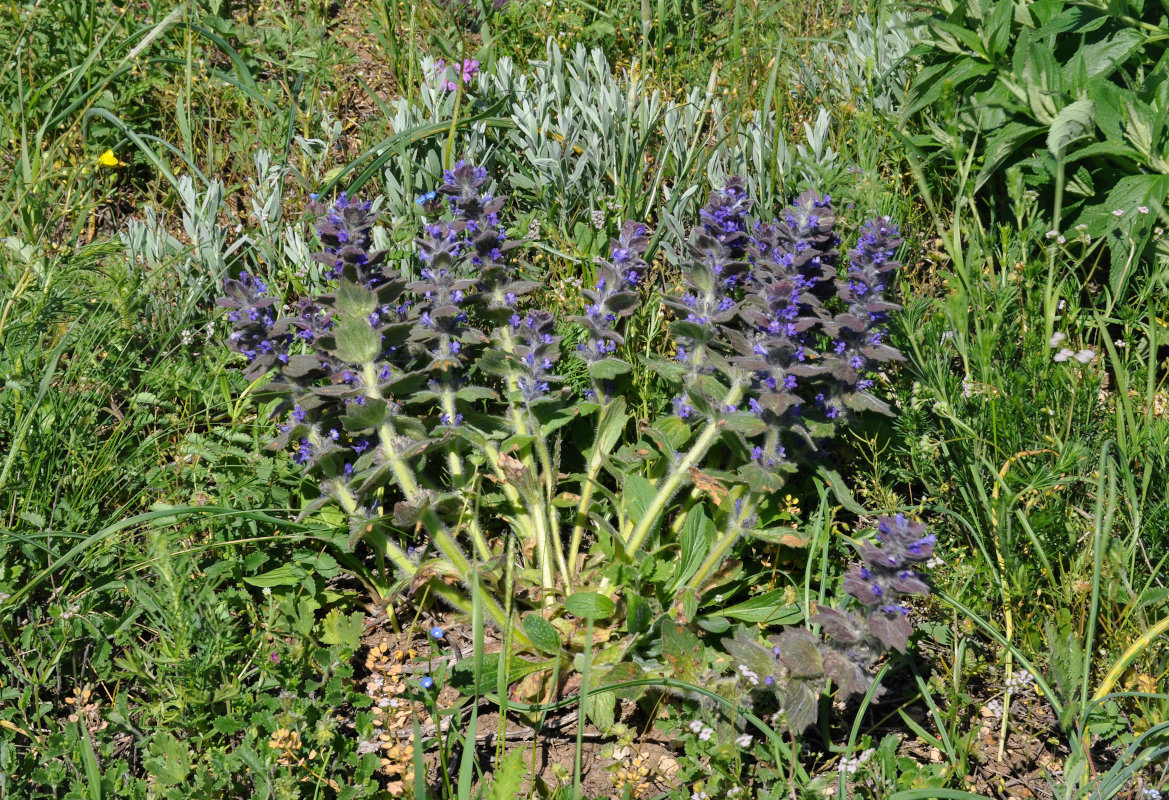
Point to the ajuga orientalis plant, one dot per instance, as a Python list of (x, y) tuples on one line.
[(432, 412)]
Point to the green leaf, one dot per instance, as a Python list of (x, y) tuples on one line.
[(285, 575), (612, 423), (508, 777), (1072, 123), (638, 615), (598, 707), (369, 414), (470, 394), (170, 761), (1100, 59), (744, 422), (463, 673), (342, 629), (542, 634), (998, 28), (227, 725), (638, 496), (355, 301), (607, 369), (589, 605), (357, 342), (681, 650), (1001, 144), (767, 608), (841, 490), (697, 534)]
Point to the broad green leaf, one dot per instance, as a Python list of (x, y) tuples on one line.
[(1100, 59), (1001, 144), (598, 707), (612, 423), (369, 414), (681, 650), (638, 615), (357, 342), (470, 394), (768, 608), (355, 301), (697, 534), (1072, 123), (463, 673), (607, 369), (285, 575), (589, 605), (638, 496), (542, 634)]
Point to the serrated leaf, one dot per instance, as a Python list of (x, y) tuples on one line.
[(798, 652), (508, 776), (343, 629), (170, 760), (799, 706)]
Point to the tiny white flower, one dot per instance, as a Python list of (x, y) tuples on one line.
[(1057, 339), (695, 726), (1052, 234), (1064, 354), (1118, 213), (1143, 209), (267, 591), (1061, 239), (1084, 356), (1061, 304), (744, 740), (706, 734), (1120, 343)]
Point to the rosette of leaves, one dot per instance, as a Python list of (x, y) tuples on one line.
[(796, 666)]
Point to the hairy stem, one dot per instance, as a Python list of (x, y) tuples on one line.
[(679, 473)]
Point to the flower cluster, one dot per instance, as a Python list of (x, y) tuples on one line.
[(382, 371), (798, 664), (613, 296), (469, 68), (859, 334), (536, 350), (256, 332), (761, 307)]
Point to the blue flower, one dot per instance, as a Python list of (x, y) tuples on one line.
[(437, 632), (427, 682)]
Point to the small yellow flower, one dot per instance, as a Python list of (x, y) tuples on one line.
[(108, 159)]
